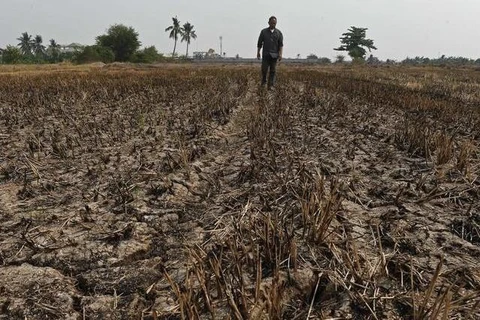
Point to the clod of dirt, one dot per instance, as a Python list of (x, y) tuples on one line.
[(36, 293)]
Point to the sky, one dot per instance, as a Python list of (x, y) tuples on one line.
[(399, 28)]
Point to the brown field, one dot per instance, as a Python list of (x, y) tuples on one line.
[(187, 192)]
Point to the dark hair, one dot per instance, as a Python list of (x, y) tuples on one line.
[(271, 18)]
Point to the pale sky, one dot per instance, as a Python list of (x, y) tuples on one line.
[(399, 28)]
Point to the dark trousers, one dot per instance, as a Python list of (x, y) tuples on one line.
[(269, 63)]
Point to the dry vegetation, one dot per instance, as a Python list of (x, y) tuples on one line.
[(190, 193)]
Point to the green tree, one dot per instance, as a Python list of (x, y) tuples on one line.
[(38, 47), (122, 40), (354, 42), (12, 55), (188, 34), (312, 56), (26, 44), (175, 30)]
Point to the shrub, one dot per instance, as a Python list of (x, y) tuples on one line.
[(147, 55), (95, 54), (12, 55)]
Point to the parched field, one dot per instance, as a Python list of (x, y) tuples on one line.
[(187, 192)]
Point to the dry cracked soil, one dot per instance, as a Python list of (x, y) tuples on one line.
[(189, 192)]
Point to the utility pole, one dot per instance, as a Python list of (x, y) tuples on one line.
[(221, 46)]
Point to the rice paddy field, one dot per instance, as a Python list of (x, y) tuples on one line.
[(189, 192)]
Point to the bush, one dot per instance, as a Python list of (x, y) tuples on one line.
[(147, 55), (324, 60), (12, 55), (95, 54), (340, 59)]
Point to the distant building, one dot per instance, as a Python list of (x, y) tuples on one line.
[(70, 48), (199, 55), (210, 54)]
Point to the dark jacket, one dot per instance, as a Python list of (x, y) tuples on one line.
[(271, 42)]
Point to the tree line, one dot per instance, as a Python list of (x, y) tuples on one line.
[(356, 44), (31, 50), (120, 43)]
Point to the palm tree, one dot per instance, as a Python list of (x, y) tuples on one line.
[(38, 47), (53, 50), (26, 44), (175, 31), (188, 34)]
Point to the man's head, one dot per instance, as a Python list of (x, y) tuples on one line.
[(272, 22)]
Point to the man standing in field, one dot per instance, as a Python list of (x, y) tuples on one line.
[(271, 40)]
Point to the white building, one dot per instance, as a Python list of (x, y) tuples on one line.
[(72, 47)]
